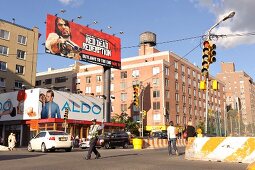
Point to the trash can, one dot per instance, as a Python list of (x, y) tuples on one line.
[(138, 143)]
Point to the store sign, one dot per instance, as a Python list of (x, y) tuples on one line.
[(33, 104)]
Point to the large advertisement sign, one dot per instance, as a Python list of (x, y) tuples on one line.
[(68, 39), (44, 103)]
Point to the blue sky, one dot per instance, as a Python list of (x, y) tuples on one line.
[(168, 19)]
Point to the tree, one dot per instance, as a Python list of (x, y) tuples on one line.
[(131, 125)]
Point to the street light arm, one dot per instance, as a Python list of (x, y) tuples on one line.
[(230, 15)]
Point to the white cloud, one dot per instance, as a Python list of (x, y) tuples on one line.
[(65, 2), (241, 23), (73, 3)]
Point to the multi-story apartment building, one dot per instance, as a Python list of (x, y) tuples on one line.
[(169, 87), (64, 79), (239, 88), (18, 56)]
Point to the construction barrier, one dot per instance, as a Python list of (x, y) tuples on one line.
[(224, 149), (160, 143)]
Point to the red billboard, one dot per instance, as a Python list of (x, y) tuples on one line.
[(71, 40)]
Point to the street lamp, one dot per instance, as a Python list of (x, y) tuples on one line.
[(208, 36), (230, 15)]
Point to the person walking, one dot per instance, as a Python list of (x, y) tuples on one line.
[(11, 141), (171, 136), (93, 135)]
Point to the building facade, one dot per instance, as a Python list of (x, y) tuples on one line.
[(59, 79), (18, 56), (240, 94), (169, 89)]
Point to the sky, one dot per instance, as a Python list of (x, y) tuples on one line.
[(174, 22)]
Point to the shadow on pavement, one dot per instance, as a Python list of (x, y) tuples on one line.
[(11, 157), (105, 157)]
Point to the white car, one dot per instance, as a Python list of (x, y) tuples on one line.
[(85, 143), (50, 140)]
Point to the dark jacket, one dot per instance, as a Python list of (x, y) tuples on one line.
[(191, 132)]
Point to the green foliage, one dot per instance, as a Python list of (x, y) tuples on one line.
[(131, 125)]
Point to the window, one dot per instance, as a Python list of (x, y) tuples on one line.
[(38, 82), (176, 86), (87, 90), (123, 96), (99, 78), (123, 74), (183, 68), (135, 73), (3, 66), (60, 79), (183, 78), (176, 65), (123, 85), (194, 73), (166, 71), (176, 97), (156, 105), (4, 50), (155, 70), (156, 117), (177, 119), (166, 82), (177, 109), (184, 99), (19, 69), (188, 71), (98, 89), (167, 94), (22, 39), (176, 75), (155, 81), (4, 34), (183, 88), (88, 79), (2, 82), (21, 54), (18, 84), (156, 93), (112, 76), (123, 107), (48, 81), (112, 87)]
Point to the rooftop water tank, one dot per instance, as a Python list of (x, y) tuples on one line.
[(148, 38)]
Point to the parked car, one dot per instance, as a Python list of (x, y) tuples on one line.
[(111, 140), (159, 135), (50, 140), (85, 143)]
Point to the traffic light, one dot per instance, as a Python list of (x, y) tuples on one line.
[(202, 85), (205, 58), (215, 85), (144, 113), (212, 52), (66, 114), (136, 95)]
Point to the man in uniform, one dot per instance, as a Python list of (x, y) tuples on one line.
[(93, 135)]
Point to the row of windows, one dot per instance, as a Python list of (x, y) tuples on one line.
[(5, 51), (17, 83), (19, 68), (49, 81), (6, 35)]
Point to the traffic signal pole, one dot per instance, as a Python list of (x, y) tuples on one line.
[(206, 104)]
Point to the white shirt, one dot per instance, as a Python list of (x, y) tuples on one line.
[(171, 132)]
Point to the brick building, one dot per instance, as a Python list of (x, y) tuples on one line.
[(239, 88)]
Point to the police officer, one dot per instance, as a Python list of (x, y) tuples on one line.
[(93, 135)]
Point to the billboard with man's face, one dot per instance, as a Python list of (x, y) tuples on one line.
[(71, 40)]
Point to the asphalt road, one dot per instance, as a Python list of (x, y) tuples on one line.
[(146, 159)]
